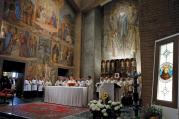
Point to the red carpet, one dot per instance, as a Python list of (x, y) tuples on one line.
[(42, 110)]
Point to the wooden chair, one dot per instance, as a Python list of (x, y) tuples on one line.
[(6, 94)]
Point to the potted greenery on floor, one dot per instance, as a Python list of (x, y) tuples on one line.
[(153, 112)]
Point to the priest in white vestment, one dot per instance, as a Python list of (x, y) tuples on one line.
[(40, 83), (59, 82), (89, 83), (27, 88), (34, 87)]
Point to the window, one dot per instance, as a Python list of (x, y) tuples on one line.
[(165, 88)]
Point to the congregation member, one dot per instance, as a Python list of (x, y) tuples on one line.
[(40, 83), (34, 87), (27, 88)]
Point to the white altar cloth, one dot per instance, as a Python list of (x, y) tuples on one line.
[(72, 96)]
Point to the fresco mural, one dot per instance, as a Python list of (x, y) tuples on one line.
[(39, 31), (121, 30), (66, 29), (17, 42), (44, 50), (37, 13), (46, 14), (55, 53)]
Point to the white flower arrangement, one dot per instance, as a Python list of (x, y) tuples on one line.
[(105, 109)]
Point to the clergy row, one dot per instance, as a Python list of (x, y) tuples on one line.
[(35, 84), (70, 81), (126, 84)]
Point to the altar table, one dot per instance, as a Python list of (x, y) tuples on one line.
[(72, 96)]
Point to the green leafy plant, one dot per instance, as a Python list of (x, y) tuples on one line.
[(153, 111)]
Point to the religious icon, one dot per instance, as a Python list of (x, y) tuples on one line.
[(122, 63), (127, 65), (112, 66), (103, 65), (166, 71), (133, 64), (117, 66), (108, 66)]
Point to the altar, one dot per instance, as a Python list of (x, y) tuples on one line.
[(72, 96)]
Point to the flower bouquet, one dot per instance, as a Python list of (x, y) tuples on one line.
[(96, 108), (115, 109), (105, 110)]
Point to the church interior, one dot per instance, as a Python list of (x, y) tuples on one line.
[(89, 59)]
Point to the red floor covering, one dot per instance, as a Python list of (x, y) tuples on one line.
[(42, 110)]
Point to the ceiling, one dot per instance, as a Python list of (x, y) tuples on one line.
[(86, 5)]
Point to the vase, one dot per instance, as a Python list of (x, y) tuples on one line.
[(96, 114), (154, 117)]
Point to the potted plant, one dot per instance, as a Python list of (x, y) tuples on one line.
[(153, 112)]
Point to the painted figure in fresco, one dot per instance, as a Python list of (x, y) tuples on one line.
[(66, 32), (15, 41), (23, 50), (69, 57), (34, 45), (55, 54), (8, 39), (61, 54), (123, 24), (103, 65), (30, 46), (17, 10), (41, 15), (53, 20), (28, 12), (12, 11)]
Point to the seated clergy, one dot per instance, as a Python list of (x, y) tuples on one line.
[(27, 88), (34, 87), (71, 81), (81, 82), (40, 83), (48, 83), (59, 82)]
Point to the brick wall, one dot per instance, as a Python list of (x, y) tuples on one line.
[(158, 18)]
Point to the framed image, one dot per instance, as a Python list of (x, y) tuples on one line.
[(116, 75)]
